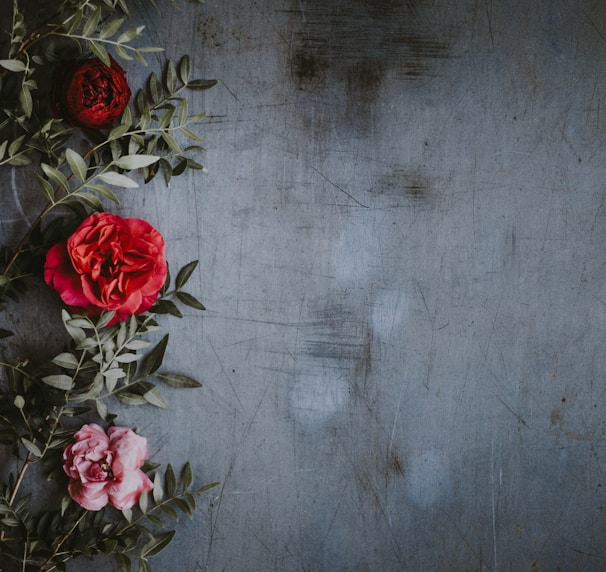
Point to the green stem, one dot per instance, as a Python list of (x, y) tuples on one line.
[(18, 482), (59, 545)]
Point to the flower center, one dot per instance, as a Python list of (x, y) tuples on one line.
[(96, 89)]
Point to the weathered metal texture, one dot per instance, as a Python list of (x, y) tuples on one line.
[(401, 238)]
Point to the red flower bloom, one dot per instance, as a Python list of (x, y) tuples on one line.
[(88, 93), (109, 263)]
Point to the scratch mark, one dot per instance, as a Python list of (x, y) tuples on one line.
[(340, 189), (489, 18), (225, 375), (516, 415), (232, 462), (432, 322)]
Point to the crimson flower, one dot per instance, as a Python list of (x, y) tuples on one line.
[(89, 94)]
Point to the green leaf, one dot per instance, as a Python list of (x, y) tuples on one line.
[(170, 481), (48, 189), (166, 307), (3, 149), (155, 88), (184, 69), (91, 200), (137, 345), (118, 180), (111, 28), (187, 475), (202, 83), (76, 333), (76, 164), (104, 192), (25, 101), (121, 52), (92, 22), (170, 511), (184, 274), (178, 380), (31, 447), (154, 359), (123, 561), (130, 162), (154, 397), (66, 360), (5, 333), (13, 65), (183, 112), (19, 160), (170, 140), (65, 502), (15, 145), (114, 373), (100, 52), (158, 490), (101, 409), (189, 300), (184, 507), (118, 131), (130, 34), (143, 502), (171, 77), (156, 545), (105, 319), (190, 134), (63, 382), (56, 176), (144, 565), (126, 358)]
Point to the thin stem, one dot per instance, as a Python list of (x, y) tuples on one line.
[(60, 544), (18, 482)]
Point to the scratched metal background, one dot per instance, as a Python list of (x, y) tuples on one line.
[(401, 238)]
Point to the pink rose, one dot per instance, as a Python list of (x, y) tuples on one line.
[(109, 263), (106, 468)]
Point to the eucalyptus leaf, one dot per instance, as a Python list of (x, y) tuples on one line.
[(31, 447), (76, 164), (118, 180), (13, 65), (59, 381), (100, 52), (154, 397), (130, 162), (66, 360)]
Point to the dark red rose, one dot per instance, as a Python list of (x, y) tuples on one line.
[(109, 263), (89, 94)]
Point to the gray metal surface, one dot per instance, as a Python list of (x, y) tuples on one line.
[(401, 242)]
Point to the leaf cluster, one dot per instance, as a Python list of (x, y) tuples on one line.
[(48, 540), (42, 403), (40, 408)]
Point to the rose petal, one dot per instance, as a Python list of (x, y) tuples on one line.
[(91, 496), (125, 493)]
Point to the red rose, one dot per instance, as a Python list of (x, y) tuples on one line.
[(109, 263), (89, 94)]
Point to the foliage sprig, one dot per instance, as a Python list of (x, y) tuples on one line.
[(103, 365)]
